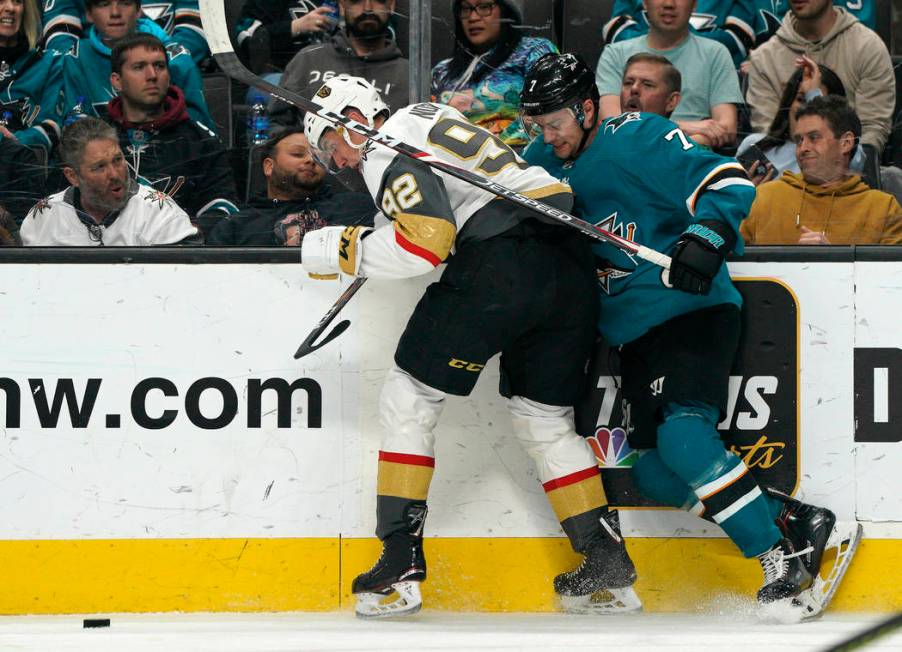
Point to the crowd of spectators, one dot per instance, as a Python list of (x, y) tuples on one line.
[(106, 137)]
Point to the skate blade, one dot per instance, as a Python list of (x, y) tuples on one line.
[(603, 602), (407, 602), (844, 539), (810, 603)]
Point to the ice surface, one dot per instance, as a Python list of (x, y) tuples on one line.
[(431, 630)]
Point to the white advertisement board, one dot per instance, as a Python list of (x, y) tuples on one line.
[(162, 400)]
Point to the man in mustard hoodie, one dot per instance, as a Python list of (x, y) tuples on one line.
[(825, 203), (833, 37)]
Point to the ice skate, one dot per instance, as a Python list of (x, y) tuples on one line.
[(785, 578), (398, 572), (806, 526), (602, 583), (816, 527)]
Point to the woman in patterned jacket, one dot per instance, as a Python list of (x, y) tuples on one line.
[(485, 75)]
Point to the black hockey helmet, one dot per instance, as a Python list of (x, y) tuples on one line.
[(557, 81)]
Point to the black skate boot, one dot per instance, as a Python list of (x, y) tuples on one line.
[(806, 526), (602, 582), (814, 530), (400, 569), (785, 578)]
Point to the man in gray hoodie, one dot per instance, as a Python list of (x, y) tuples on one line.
[(363, 47), (833, 37)]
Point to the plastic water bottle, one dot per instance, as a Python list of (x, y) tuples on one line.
[(257, 122), (333, 15), (77, 112)]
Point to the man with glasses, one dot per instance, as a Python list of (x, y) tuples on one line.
[(488, 62), (364, 46), (675, 331), (104, 206), (516, 285)]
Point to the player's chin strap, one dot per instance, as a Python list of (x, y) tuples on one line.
[(580, 116), (346, 134)]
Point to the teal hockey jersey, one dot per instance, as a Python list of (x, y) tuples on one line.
[(730, 22), (31, 90), (863, 10), (179, 20), (646, 181), (86, 74)]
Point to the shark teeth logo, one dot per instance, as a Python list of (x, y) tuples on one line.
[(606, 270), (605, 276), (703, 22), (610, 448)]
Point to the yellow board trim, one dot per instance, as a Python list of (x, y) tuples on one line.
[(472, 574)]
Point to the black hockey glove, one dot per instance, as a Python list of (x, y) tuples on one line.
[(699, 254)]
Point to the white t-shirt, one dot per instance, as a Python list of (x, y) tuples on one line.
[(150, 217)]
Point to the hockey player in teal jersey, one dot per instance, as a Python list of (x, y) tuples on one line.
[(86, 69), (677, 331)]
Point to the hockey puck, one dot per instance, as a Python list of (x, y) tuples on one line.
[(90, 623)]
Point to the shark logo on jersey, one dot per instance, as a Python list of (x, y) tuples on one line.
[(162, 13), (605, 269), (703, 22), (302, 9), (615, 123), (4, 71)]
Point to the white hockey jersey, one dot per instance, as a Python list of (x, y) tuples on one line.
[(150, 217), (428, 209)]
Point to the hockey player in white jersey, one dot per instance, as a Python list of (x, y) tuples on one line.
[(515, 285)]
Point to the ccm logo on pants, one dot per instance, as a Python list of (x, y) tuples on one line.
[(463, 364)]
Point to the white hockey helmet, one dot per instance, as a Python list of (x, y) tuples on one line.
[(336, 95)]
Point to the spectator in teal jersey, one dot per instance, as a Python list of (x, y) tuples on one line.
[(86, 70), (31, 80), (484, 76), (730, 22), (178, 20)]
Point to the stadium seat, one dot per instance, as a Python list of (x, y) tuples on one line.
[(218, 93), (256, 182), (871, 172), (41, 154), (892, 155), (884, 22), (581, 28)]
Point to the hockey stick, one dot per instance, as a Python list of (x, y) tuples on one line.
[(213, 17), (308, 346), (868, 636)]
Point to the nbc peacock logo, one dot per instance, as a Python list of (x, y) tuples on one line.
[(611, 449)]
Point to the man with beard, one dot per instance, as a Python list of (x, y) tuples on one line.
[(298, 199), (103, 206), (164, 147), (363, 47)]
